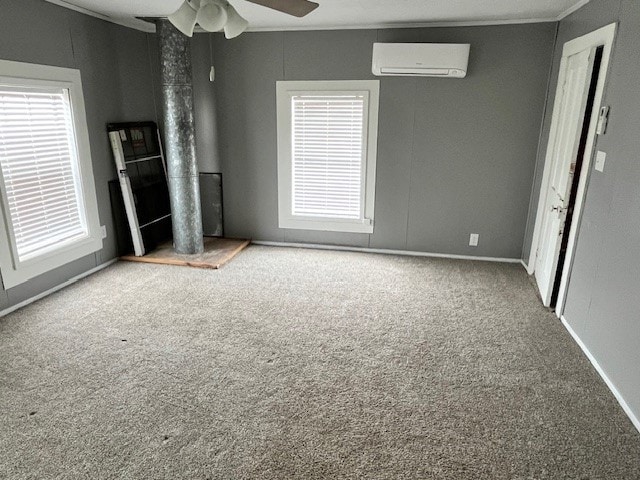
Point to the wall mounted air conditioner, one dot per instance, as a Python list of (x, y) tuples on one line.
[(421, 59)]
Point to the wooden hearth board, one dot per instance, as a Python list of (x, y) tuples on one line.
[(217, 252)]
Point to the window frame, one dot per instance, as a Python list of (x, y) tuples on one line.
[(285, 91), (15, 271)]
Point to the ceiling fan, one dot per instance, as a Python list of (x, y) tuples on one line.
[(216, 15)]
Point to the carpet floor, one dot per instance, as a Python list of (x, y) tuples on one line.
[(304, 364)]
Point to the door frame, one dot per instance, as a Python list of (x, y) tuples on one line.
[(603, 37)]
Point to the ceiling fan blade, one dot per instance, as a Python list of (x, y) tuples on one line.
[(297, 8)]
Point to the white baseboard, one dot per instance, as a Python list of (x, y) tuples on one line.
[(596, 365), (72, 280), (383, 251)]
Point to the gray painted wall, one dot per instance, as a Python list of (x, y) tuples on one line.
[(603, 305), (120, 77), (204, 101), (454, 156), (116, 77)]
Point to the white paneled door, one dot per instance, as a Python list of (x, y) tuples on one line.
[(573, 92)]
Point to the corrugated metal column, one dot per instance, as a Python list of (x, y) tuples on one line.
[(182, 166)]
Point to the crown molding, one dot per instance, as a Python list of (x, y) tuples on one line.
[(376, 26), (130, 22), (144, 26), (570, 10)]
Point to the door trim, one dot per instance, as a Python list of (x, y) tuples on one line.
[(604, 37)]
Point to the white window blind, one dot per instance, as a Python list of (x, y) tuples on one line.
[(40, 169), (328, 155)]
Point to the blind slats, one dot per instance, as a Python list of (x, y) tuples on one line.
[(56, 223), (46, 153), (33, 213), (38, 161), (327, 155)]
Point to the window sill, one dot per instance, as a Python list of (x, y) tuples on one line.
[(327, 225), (13, 276)]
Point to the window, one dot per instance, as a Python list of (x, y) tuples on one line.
[(49, 209), (327, 136)]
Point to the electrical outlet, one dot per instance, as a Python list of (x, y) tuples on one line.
[(473, 239), (103, 230)]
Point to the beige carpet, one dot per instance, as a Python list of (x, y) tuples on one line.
[(301, 364)]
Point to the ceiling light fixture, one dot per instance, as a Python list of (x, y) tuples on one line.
[(235, 23), (216, 15), (211, 15), (184, 19)]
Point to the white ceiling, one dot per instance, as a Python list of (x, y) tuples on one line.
[(333, 14)]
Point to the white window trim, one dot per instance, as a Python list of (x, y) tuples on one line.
[(284, 92), (15, 272)]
